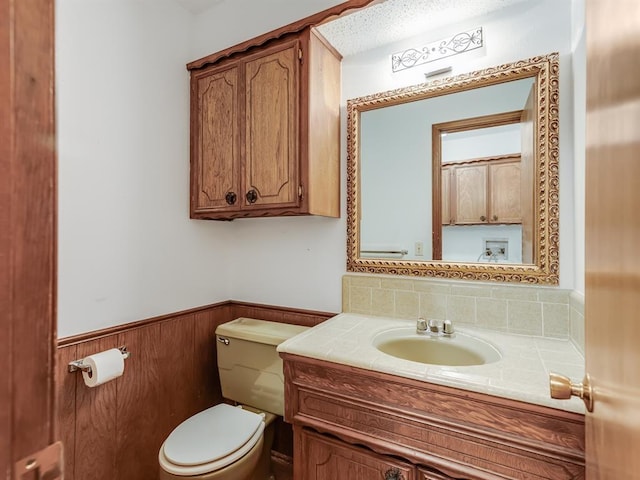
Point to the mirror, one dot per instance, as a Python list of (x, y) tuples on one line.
[(458, 178)]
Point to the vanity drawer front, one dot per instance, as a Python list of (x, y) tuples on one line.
[(456, 432)]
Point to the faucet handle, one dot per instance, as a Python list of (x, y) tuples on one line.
[(435, 326), (447, 327), (421, 325)]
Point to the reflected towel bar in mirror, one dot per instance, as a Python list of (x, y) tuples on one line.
[(388, 252)]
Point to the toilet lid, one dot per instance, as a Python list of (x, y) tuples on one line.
[(210, 435)]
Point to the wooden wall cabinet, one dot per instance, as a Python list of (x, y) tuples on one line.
[(265, 130), (482, 192), (360, 424)]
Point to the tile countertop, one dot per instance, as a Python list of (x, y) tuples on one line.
[(522, 373)]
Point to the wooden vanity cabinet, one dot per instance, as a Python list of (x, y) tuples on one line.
[(360, 424), (482, 192), (265, 131)]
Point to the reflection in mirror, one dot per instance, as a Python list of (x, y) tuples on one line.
[(478, 198), (458, 177)]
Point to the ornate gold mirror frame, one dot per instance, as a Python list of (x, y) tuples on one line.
[(545, 266)]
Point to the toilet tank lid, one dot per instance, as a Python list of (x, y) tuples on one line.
[(261, 331)]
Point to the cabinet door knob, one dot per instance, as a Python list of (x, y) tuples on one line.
[(495, 217), (252, 196), (393, 474), (230, 198), (483, 218)]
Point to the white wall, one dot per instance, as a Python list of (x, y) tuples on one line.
[(466, 243), (127, 249), (235, 21), (579, 75), (482, 142)]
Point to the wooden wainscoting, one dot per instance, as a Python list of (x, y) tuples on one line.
[(114, 431)]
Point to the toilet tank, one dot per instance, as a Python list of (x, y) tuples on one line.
[(249, 365)]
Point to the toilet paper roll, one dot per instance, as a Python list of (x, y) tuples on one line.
[(105, 366)]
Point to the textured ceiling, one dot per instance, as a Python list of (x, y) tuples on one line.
[(394, 20), (388, 21)]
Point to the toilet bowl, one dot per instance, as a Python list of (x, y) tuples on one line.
[(234, 442), (220, 442)]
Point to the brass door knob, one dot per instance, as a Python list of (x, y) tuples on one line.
[(495, 218), (483, 218), (562, 388)]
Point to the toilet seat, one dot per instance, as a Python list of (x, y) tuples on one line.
[(211, 440)]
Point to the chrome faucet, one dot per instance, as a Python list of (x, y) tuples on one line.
[(434, 328)]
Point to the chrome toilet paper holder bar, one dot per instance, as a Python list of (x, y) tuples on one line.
[(80, 365)]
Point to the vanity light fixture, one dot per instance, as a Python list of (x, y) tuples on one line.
[(439, 71), (446, 47)]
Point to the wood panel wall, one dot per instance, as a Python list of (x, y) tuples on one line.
[(115, 430)]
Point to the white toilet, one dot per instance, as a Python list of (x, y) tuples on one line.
[(229, 442)]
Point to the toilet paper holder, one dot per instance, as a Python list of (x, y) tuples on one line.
[(79, 364)]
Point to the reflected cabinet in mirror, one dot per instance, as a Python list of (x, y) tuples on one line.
[(457, 178)]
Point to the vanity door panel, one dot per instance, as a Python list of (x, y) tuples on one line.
[(329, 459)]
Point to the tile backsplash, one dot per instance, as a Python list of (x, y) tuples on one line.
[(576, 319), (522, 309)]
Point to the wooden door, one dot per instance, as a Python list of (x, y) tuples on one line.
[(504, 193), (215, 139), (328, 459), (27, 236), (470, 194), (613, 239), (271, 173)]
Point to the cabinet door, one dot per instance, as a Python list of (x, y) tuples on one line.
[(504, 185), (470, 194), (215, 140), (271, 128), (328, 459)]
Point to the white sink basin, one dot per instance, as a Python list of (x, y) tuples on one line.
[(457, 350)]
